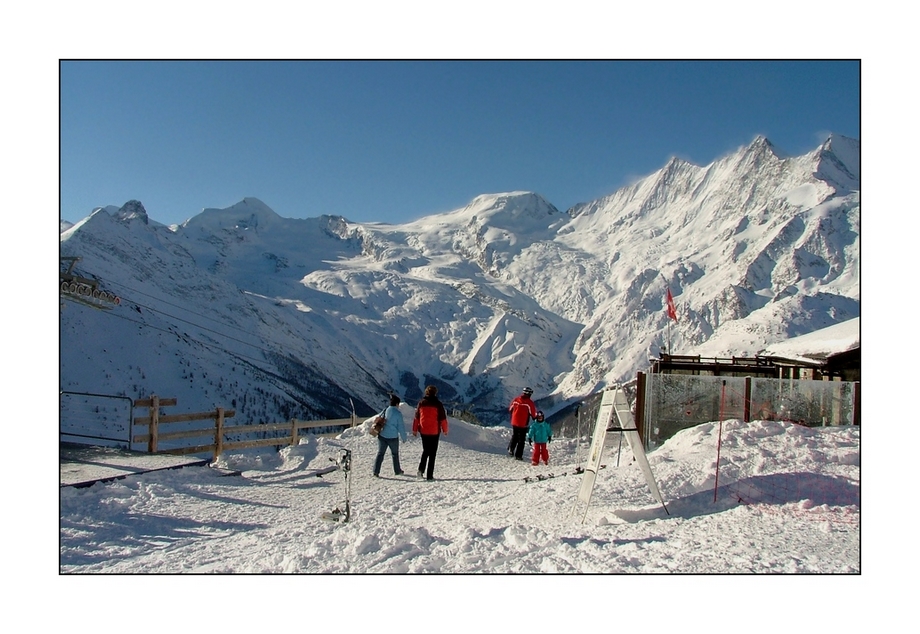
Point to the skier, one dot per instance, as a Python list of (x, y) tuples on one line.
[(522, 409), (540, 433), (430, 420), (393, 429)]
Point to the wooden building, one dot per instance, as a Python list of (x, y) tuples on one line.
[(842, 366), (828, 354)]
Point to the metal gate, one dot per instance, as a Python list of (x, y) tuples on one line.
[(96, 419)]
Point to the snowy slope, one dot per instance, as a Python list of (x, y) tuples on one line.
[(183, 331), (801, 515), (294, 317), (754, 243)]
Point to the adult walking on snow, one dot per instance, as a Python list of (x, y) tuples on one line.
[(522, 409), (430, 420), (393, 429)]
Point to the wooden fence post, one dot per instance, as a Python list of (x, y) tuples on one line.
[(293, 432), (219, 433), (154, 421), (640, 406), (856, 403), (746, 416)]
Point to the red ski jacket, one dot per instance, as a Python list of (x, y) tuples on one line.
[(522, 409), (430, 417)]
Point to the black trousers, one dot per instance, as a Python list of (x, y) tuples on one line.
[(518, 438), (429, 452)]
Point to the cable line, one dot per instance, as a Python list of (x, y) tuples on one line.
[(177, 306), (256, 362)]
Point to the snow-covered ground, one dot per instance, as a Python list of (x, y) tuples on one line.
[(801, 512)]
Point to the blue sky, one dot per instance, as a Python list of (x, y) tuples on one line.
[(395, 141)]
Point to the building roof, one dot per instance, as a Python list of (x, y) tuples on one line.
[(818, 345)]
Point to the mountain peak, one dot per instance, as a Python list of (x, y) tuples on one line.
[(761, 145), (511, 205), (838, 161), (846, 151), (675, 162), (131, 210), (249, 213)]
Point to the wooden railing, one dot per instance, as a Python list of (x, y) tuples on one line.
[(154, 436)]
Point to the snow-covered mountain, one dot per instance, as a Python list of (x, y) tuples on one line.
[(280, 317)]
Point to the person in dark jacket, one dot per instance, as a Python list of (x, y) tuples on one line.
[(522, 409), (430, 420), (393, 429)]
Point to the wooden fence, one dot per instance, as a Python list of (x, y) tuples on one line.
[(219, 430)]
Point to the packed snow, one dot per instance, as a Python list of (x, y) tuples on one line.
[(788, 501)]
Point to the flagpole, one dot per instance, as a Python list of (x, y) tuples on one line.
[(671, 310), (672, 313)]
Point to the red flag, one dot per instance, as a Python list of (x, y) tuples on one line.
[(672, 312)]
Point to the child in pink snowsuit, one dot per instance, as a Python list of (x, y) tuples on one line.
[(540, 433)]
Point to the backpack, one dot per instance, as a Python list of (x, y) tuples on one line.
[(377, 426)]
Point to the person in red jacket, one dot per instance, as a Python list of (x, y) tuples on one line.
[(522, 409), (430, 420)]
